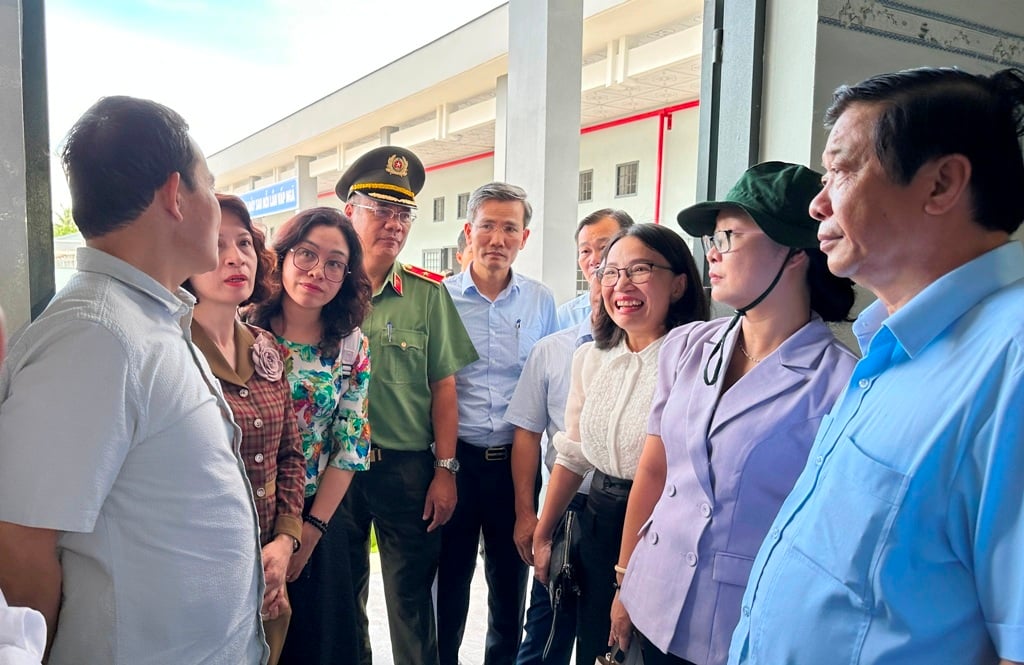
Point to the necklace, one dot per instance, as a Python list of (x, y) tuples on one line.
[(749, 357)]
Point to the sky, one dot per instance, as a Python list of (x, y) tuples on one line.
[(230, 68)]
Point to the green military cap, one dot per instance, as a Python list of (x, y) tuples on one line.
[(776, 195), (389, 174)]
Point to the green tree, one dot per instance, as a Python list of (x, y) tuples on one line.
[(63, 224)]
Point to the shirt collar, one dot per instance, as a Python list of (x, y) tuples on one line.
[(393, 279), (466, 283), (945, 300), (244, 340), (90, 259)]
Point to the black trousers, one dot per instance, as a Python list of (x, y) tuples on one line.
[(486, 506), (654, 656), (323, 626), (601, 524), (390, 495)]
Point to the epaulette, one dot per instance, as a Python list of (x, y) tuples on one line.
[(423, 273)]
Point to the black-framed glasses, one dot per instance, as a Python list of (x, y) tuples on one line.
[(306, 259), (722, 240), (384, 214), (638, 273)]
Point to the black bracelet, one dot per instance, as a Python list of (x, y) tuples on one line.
[(318, 523)]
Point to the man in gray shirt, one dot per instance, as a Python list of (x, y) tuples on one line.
[(125, 515)]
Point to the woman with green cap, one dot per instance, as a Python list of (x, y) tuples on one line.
[(737, 405)]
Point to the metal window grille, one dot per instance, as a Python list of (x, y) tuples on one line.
[(439, 209), (626, 176), (586, 192)]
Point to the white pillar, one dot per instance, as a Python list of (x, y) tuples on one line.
[(542, 123), (306, 183)]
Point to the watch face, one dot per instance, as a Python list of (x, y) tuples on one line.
[(454, 465), (449, 464)]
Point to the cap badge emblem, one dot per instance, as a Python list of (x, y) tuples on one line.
[(397, 166)]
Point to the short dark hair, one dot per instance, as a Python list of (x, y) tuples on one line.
[(692, 306), (349, 307), (498, 191), (931, 112), (620, 216), (461, 242), (266, 262), (832, 297), (117, 155)]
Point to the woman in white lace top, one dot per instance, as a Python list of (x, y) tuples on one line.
[(649, 285)]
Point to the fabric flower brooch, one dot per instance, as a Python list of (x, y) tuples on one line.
[(266, 359)]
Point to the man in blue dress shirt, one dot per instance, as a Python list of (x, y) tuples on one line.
[(902, 541), (505, 314)]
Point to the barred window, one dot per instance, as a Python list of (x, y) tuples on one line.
[(626, 178), (439, 209), (433, 259), (586, 191), (463, 206)]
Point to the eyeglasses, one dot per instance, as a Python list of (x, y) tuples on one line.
[(638, 273), (722, 240), (382, 214), (307, 259), (510, 230)]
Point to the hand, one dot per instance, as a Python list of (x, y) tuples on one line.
[(442, 496), (276, 555), (523, 536), (622, 627), (310, 537), (273, 602), (541, 556)]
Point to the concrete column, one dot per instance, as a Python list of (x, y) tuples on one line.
[(307, 184), (26, 249), (542, 122), (385, 134), (500, 126)]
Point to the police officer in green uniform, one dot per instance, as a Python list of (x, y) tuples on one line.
[(417, 343)]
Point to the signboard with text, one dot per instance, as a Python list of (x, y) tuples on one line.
[(280, 197)]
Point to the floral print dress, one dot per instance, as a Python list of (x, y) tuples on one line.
[(330, 408)]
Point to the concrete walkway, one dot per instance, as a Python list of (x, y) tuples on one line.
[(472, 652)]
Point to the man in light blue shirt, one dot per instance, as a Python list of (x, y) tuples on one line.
[(592, 235), (902, 541), (537, 408), (505, 314)]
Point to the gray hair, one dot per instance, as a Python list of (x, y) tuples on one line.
[(499, 191)]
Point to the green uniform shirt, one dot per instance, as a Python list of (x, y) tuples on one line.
[(416, 337)]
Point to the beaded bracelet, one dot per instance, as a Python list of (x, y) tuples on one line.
[(318, 523)]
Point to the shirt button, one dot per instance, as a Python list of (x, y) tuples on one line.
[(260, 492), (258, 423), (864, 383), (775, 534), (403, 345), (259, 458), (691, 559), (746, 611), (819, 460), (705, 510), (243, 392), (670, 490), (654, 537)]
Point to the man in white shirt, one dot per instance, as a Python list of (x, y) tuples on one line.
[(125, 514)]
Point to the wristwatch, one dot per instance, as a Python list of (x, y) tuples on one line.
[(451, 465)]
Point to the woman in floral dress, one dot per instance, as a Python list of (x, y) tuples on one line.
[(323, 295)]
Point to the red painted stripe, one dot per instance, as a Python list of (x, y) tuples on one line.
[(663, 112)]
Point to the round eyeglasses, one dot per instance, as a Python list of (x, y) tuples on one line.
[(383, 214), (722, 240), (307, 259), (638, 273)]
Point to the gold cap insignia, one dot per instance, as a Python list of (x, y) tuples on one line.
[(397, 166)]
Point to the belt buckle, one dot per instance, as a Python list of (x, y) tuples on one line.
[(496, 454)]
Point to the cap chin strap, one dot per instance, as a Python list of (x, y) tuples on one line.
[(718, 350)]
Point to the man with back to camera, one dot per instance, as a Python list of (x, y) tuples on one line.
[(127, 519), (592, 235), (505, 314), (417, 342), (901, 541)]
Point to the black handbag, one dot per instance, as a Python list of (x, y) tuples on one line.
[(563, 590)]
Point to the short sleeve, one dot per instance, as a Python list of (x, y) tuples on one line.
[(350, 428), (66, 423), (449, 347), (528, 407), (570, 450)]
